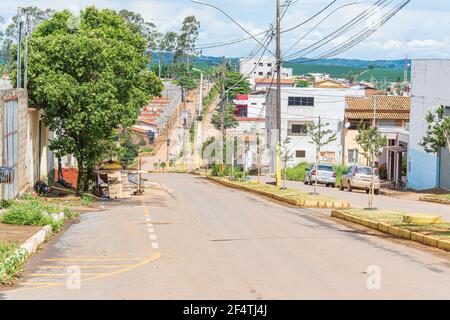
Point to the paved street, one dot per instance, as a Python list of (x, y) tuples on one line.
[(189, 238), (359, 198)]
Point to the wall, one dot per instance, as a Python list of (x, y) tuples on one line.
[(328, 103), (266, 70), (429, 88)]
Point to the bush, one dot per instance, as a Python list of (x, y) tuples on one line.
[(5, 204), (297, 173), (29, 212), (340, 170), (10, 264)]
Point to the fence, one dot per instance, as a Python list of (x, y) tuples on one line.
[(9, 169)]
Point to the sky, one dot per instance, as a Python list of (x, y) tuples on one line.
[(421, 29)]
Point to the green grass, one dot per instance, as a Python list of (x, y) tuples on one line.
[(443, 196), (289, 193), (9, 266), (395, 218), (33, 211)]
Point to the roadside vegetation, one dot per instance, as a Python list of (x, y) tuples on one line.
[(33, 211), (395, 218), (10, 264)]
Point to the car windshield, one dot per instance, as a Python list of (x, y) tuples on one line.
[(325, 168), (364, 170)]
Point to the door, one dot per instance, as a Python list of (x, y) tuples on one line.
[(10, 148)]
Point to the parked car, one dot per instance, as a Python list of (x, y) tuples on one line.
[(360, 177), (325, 175)]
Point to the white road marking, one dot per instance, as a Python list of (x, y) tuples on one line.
[(152, 237), (155, 245), (151, 230), (149, 219)]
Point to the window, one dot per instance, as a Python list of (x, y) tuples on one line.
[(269, 64), (298, 130), (260, 73), (300, 154), (353, 156), (261, 64), (301, 101), (269, 73)]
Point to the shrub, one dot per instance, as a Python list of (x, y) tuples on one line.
[(5, 204), (340, 170), (297, 173), (29, 212), (10, 263)]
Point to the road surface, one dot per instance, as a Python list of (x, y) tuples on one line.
[(189, 238)]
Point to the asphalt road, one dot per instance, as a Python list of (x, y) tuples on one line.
[(193, 239)]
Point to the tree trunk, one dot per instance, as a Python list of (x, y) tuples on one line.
[(80, 177), (60, 174)]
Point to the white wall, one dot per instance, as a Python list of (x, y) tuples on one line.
[(329, 104), (430, 81), (253, 69)]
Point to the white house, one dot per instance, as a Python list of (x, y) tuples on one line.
[(261, 68), (303, 106), (429, 88)]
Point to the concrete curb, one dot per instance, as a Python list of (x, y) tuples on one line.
[(435, 200), (401, 233), (339, 204)]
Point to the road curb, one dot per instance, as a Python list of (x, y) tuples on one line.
[(338, 204), (397, 232), (435, 200)]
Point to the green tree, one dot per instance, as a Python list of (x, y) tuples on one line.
[(187, 38), (187, 83), (286, 156), (319, 136), (371, 142), (146, 29), (302, 84), (229, 122), (235, 83), (438, 131), (35, 17), (90, 81)]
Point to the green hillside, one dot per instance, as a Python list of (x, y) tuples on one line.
[(378, 74)]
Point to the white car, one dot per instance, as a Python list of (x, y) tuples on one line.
[(360, 177), (325, 175)]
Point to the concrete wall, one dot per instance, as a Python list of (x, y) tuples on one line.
[(430, 81), (253, 69), (329, 104)]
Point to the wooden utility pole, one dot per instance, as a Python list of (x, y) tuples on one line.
[(278, 95)]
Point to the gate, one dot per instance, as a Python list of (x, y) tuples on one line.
[(445, 169), (10, 149)]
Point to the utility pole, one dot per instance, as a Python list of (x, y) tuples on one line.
[(222, 109), (278, 96), (198, 120), (19, 47)]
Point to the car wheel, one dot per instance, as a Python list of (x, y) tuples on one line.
[(333, 185), (305, 181), (327, 185), (349, 187), (377, 191), (367, 191), (341, 187)]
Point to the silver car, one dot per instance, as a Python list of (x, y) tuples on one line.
[(360, 177), (325, 175)]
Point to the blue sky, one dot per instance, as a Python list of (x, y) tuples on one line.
[(422, 29)]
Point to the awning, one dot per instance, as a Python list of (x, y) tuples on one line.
[(397, 148)]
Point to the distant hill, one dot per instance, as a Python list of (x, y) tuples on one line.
[(384, 64)]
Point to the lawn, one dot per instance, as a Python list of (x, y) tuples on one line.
[(289, 193), (395, 218)]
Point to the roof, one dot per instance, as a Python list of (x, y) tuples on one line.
[(386, 107), (269, 81), (328, 83)]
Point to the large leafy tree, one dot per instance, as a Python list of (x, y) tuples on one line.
[(138, 25), (235, 83), (438, 131), (90, 81)]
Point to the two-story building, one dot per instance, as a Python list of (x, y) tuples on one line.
[(303, 106)]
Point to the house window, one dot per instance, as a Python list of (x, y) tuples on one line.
[(269, 73), (298, 130), (260, 73), (261, 64), (353, 156), (300, 154), (269, 64), (301, 101)]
